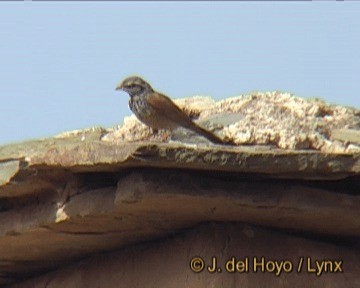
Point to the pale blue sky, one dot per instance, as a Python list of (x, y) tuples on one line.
[(60, 61)]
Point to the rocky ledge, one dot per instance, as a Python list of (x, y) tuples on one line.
[(97, 190)]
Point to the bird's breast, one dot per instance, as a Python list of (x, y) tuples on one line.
[(142, 110), (148, 115)]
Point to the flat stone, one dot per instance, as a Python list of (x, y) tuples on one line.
[(346, 135)]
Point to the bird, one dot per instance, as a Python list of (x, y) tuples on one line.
[(158, 111)]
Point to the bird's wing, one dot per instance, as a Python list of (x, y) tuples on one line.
[(166, 106)]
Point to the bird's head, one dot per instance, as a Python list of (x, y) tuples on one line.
[(134, 85)]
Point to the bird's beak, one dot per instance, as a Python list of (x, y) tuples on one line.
[(119, 86)]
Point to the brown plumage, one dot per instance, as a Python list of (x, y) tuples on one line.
[(159, 111)]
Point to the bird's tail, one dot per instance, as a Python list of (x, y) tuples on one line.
[(208, 135)]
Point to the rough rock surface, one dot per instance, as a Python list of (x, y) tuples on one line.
[(274, 118), (97, 190)]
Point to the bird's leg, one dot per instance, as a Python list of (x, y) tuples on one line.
[(164, 135)]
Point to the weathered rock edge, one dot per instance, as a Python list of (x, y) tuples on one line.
[(89, 155)]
